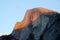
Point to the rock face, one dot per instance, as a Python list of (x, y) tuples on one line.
[(7, 37), (31, 15), (38, 24)]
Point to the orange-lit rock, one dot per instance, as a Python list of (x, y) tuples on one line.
[(30, 16)]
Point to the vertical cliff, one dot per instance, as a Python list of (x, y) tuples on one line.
[(32, 18)]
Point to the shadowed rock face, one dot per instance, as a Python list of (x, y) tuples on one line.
[(38, 24), (29, 19), (7, 37)]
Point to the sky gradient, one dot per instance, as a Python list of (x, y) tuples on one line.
[(12, 11)]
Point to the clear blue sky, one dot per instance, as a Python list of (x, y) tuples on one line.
[(12, 11)]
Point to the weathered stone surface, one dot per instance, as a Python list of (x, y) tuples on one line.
[(38, 24)]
